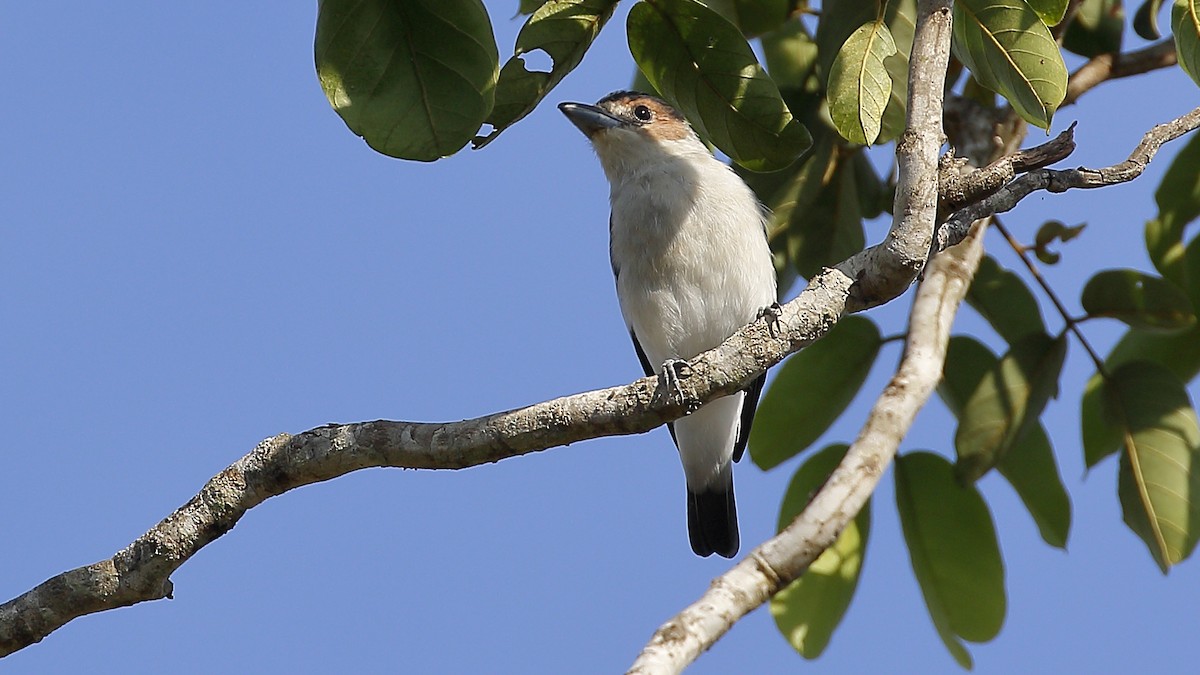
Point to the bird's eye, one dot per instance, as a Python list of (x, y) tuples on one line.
[(642, 113)]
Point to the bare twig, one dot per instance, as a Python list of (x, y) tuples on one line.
[(779, 560), (1072, 324), (1004, 199), (1107, 67), (957, 190)]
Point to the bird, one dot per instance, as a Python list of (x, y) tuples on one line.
[(692, 265)]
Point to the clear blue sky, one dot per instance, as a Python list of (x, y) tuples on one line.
[(198, 254)]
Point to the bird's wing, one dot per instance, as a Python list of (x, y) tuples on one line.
[(749, 405), (649, 369)]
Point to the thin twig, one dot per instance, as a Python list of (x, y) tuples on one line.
[(1072, 325), (1006, 198), (1107, 67)]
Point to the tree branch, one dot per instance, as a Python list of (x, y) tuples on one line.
[(1107, 67), (783, 558), (1006, 198), (142, 571)]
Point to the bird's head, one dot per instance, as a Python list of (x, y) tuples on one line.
[(629, 128)]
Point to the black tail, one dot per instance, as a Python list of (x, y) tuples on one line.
[(712, 521)]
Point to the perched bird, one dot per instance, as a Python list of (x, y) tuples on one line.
[(687, 240)]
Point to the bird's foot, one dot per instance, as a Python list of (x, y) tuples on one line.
[(773, 315), (674, 370)]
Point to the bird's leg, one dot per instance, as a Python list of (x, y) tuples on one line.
[(674, 370), (772, 314)]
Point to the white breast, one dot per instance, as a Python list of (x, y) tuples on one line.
[(691, 255)]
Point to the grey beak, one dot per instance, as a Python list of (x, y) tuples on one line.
[(589, 118)]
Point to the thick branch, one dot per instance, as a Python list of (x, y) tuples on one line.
[(783, 558), (1006, 198)]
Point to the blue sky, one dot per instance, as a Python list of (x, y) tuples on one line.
[(198, 254)]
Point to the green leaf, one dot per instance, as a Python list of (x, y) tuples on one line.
[(1140, 300), (1185, 23), (832, 229), (1050, 231), (1145, 21), (1004, 301), (873, 196), (791, 58), (792, 199), (967, 362), (809, 609), (1030, 468), (414, 78), (1159, 477), (838, 21), (1050, 11), (1178, 200), (702, 63), (1053, 229), (859, 83), (1009, 50), (564, 30), (1179, 353), (1097, 28), (1007, 403), (754, 17), (952, 544), (527, 7), (811, 390), (1029, 464)]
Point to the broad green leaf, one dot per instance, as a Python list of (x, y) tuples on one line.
[(873, 196), (564, 30), (832, 229), (1145, 21), (859, 83), (1185, 24), (809, 609), (1005, 301), (838, 21), (1164, 244), (1030, 468), (967, 362), (1009, 50), (527, 7), (1191, 271), (702, 63), (791, 58), (811, 390), (952, 544), (1159, 477), (1096, 29), (1007, 403), (1177, 352), (1050, 11), (901, 16), (754, 17), (1178, 199), (414, 78), (1029, 464), (791, 202), (1140, 300)]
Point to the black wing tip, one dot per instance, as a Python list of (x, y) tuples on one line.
[(712, 522)]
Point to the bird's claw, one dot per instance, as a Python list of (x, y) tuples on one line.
[(772, 314), (674, 370)]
